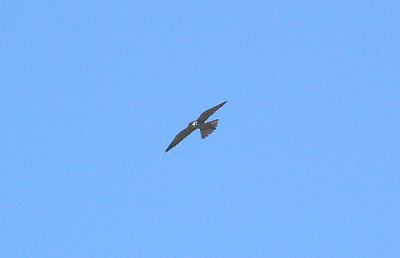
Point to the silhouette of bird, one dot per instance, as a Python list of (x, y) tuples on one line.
[(206, 128)]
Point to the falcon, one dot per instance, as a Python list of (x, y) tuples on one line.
[(206, 128)]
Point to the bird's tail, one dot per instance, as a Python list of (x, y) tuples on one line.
[(208, 128)]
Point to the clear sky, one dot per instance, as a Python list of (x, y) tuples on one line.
[(305, 160)]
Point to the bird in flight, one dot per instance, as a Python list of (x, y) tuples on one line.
[(206, 128)]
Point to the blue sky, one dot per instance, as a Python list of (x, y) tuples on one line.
[(305, 160)]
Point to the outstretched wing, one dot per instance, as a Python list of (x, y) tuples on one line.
[(206, 114), (180, 136)]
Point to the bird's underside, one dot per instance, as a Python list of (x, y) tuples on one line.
[(206, 128)]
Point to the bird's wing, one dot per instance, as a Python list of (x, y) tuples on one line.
[(180, 136), (206, 114)]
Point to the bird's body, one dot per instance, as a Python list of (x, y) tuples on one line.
[(206, 128)]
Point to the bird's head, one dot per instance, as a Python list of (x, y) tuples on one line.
[(192, 124)]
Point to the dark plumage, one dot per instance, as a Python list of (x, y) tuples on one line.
[(206, 128)]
